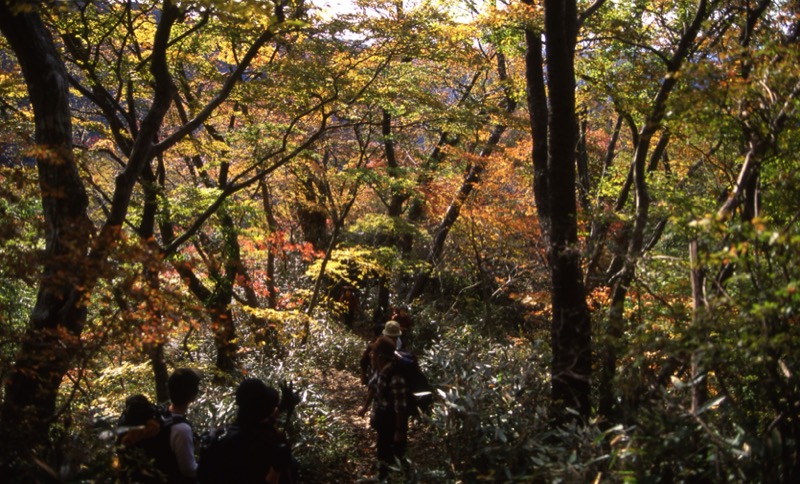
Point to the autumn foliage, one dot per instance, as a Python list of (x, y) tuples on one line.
[(590, 208)]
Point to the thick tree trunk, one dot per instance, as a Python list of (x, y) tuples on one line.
[(313, 220), (571, 325), (52, 340)]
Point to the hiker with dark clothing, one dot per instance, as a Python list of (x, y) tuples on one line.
[(388, 391), (403, 318), (252, 450), (349, 299), (139, 447), (392, 331), (158, 443)]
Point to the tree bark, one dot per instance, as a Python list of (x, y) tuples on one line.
[(397, 197), (537, 109), (272, 223), (571, 325), (146, 232), (52, 339), (312, 218)]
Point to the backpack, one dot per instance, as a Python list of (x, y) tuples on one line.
[(233, 454), (143, 447), (420, 391)]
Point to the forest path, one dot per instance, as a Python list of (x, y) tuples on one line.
[(345, 394)]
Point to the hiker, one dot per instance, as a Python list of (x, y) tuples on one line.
[(349, 299), (388, 397), (158, 445), (252, 450), (403, 318), (392, 331), (183, 386)]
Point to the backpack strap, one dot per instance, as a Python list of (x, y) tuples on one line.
[(170, 419)]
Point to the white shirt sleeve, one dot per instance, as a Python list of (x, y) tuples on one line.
[(182, 443)]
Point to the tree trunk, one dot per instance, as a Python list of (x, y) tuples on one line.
[(272, 223), (397, 198), (52, 340), (571, 325), (217, 303), (635, 247), (313, 220), (584, 181), (599, 230), (537, 109), (699, 387), (146, 232)]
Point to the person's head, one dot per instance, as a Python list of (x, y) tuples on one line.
[(138, 410), (183, 385), (382, 350), (392, 329), (257, 402)]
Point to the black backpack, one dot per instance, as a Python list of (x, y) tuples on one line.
[(143, 447), (420, 391)]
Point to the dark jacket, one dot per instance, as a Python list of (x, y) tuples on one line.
[(245, 455)]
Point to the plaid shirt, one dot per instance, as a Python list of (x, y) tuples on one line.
[(390, 391)]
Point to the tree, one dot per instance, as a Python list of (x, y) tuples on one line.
[(76, 259), (58, 318), (209, 53), (571, 330), (477, 162)]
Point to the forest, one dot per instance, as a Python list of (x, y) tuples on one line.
[(588, 207)]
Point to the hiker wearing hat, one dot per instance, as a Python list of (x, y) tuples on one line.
[(388, 396), (253, 449), (392, 331)]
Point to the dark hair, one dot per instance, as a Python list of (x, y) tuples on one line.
[(138, 410), (256, 401), (183, 386)]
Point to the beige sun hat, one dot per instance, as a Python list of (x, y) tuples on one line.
[(392, 329)]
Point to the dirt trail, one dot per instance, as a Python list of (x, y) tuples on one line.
[(345, 395)]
